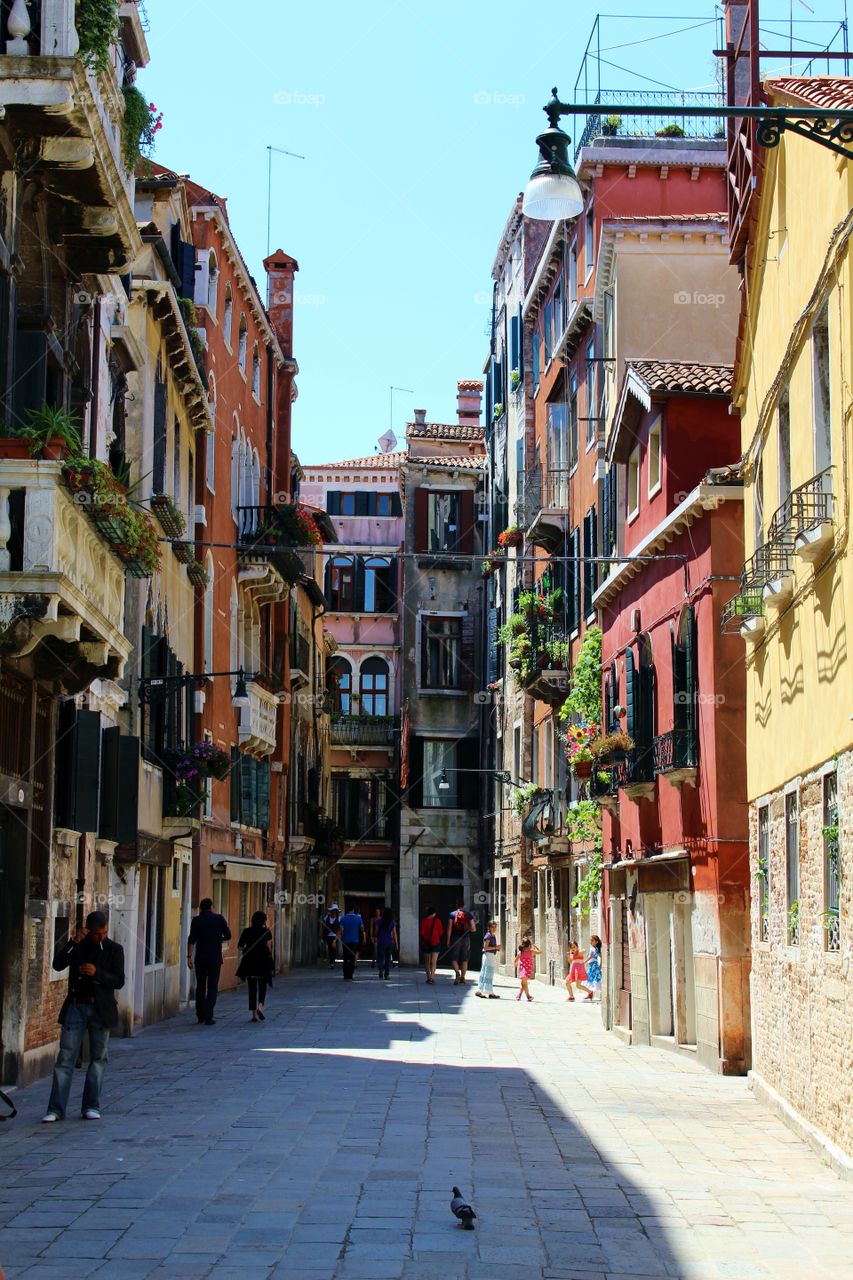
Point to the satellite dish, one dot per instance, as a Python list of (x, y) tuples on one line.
[(387, 442)]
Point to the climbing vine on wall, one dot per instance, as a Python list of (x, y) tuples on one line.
[(97, 24)]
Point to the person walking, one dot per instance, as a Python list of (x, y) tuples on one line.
[(386, 942), (460, 926), (431, 933), (593, 967), (352, 937), (208, 931), (524, 964), (375, 922), (577, 972), (488, 964), (95, 967), (256, 963), (331, 926)]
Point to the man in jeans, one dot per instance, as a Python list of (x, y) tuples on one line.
[(208, 931), (352, 937), (96, 971)]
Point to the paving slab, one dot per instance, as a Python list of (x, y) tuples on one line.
[(326, 1147)]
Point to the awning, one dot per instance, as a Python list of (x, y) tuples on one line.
[(247, 870)]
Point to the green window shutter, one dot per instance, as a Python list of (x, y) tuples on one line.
[(630, 695), (262, 770), (247, 791), (690, 671), (235, 784)]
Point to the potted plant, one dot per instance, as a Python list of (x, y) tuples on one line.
[(294, 526), (511, 537), (197, 574), (579, 753), (202, 760), (489, 567), (608, 744), (171, 520), (184, 552), (611, 125), (524, 796), (50, 434), (514, 379), (128, 529), (498, 411), (670, 131)]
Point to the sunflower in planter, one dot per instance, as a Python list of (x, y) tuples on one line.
[(579, 753)]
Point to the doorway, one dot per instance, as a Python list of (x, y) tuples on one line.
[(13, 861), (443, 897), (623, 1015)]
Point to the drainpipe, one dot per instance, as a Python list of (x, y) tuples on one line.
[(96, 378), (270, 461)]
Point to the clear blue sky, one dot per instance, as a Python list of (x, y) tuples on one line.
[(417, 124)]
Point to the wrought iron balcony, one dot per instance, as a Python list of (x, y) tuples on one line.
[(62, 586), (546, 505), (812, 506), (548, 681), (262, 540), (363, 731), (676, 756), (604, 125), (634, 772)]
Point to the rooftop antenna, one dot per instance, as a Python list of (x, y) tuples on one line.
[(391, 391), (279, 152)]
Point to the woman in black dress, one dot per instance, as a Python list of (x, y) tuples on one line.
[(256, 963)]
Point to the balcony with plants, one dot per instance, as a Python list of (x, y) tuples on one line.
[(546, 506), (70, 530), (363, 731), (276, 534), (63, 80), (688, 129), (537, 645)]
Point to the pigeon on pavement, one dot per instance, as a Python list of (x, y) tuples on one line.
[(463, 1211)]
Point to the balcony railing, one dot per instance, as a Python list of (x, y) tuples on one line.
[(300, 654), (675, 750), (260, 538), (363, 731), (257, 728), (635, 768), (51, 554), (604, 124)]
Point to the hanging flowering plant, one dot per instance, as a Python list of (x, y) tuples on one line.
[(511, 537), (293, 526), (193, 764), (579, 738)]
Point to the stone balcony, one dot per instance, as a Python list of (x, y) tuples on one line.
[(70, 120), (61, 588), (257, 728)]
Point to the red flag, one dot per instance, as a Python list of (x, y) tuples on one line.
[(404, 749)]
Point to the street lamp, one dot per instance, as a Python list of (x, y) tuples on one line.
[(147, 684), (500, 775), (553, 191)]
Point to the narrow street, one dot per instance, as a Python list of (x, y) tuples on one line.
[(324, 1143)]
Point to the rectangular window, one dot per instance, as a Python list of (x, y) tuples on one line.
[(516, 751), (444, 516), (634, 484), (590, 567), (441, 780), (155, 905), (573, 275), (359, 807), (537, 342), (441, 653), (220, 896), (784, 423), (832, 870), (515, 897), (764, 873), (549, 322), (608, 324), (534, 884), (534, 755), (210, 460), (557, 314), (573, 423), (654, 455), (792, 867), (758, 502), (821, 392), (590, 394)]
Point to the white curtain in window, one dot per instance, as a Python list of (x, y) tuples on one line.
[(440, 759)]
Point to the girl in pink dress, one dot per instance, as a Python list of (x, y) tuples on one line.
[(577, 971), (524, 965)]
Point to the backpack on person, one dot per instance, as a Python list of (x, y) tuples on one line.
[(461, 922)]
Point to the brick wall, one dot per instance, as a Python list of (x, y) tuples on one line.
[(802, 995)]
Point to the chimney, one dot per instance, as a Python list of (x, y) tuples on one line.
[(281, 269), (468, 398), (420, 417)]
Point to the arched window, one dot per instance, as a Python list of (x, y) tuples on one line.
[(208, 615), (242, 343), (176, 463), (235, 470), (374, 687), (212, 281), (379, 594), (233, 633), (228, 315), (210, 443), (339, 684), (256, 372), (684, 678), (340, 584), (255, 499)]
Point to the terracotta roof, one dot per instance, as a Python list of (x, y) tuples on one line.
[(684, 376), (384, 461), (443, 431), (817, 91), (448, 464), (470, 384)]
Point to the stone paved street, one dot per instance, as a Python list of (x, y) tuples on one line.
[(324, 1143)]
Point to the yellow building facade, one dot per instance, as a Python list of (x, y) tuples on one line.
[(793, 390)]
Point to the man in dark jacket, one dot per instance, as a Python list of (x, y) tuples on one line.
[(95, 967), (208, 931)]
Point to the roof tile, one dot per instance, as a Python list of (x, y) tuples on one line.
[(818, 91), (383, 461), (442, 431), (684, 376)]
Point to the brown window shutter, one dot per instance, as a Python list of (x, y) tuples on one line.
[(421, 520), (466, 524), (467, 655)]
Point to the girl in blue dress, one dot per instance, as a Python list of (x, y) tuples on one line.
[(593, 966)]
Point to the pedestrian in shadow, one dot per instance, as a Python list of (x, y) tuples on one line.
[(256, 963), (386, 942), (208, 931), (352, 938), (331, 926)]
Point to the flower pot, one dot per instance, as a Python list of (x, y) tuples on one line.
[(184, 552), (136, 569), (582, 769), (12, 447), (55, 450)]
